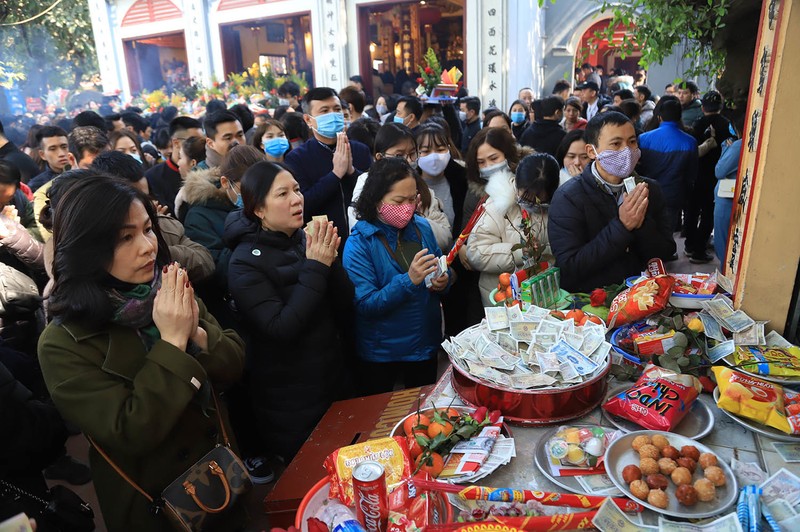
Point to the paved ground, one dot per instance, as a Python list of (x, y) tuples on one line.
[(77, 446)]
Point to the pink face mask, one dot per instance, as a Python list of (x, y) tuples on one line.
[(397, 215)]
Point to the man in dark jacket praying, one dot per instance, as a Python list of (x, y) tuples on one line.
[(599, 234)]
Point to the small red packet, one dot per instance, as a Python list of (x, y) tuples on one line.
[(646, 297), (655, 402)]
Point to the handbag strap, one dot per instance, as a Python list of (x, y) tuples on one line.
[(128, 479), (392, 254)]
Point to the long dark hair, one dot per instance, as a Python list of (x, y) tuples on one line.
[(256, 184), (88, 219), (382, 175), (497, 138)]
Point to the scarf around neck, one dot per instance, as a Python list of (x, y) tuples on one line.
[(134, 308)]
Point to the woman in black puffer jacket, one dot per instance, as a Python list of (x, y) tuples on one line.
[(288, 288)]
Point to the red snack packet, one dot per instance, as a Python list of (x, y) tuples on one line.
[(655, 402), (412, 508), (646, 297), (392, 453)]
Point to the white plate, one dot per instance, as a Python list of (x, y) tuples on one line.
[(543, 463), (698, 423), (755, 426), (620, 454)]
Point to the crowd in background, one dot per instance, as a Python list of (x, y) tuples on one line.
[(291, 258)]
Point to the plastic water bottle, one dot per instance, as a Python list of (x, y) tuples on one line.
[(338, 517)]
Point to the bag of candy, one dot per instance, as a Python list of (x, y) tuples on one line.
[(752, 398), (412, 508), (646, 297), (769, 360), (392, 453), (658, 401)]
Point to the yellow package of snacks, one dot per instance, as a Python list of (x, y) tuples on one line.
[(752, 398), (391, 453), (769, 360)]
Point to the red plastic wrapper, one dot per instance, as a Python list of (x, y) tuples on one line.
[(413, 508), (656, 401), (391, 453), (646, 297)]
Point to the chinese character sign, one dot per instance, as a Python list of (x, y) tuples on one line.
[(492, 38), (334, 36)]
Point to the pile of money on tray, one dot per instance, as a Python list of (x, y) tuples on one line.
[(529, 349)]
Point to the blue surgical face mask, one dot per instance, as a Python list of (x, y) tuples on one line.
[(518, 117), (381, 109), (137, 157), (731, 130), (276, 147), (399, 120), (329, 124), (238, 203)]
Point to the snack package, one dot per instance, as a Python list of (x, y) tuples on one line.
[(699, 283), (391, 453), (764, 360), (752, 398), (658, 401), (646, 297), (578, 450), (791, 400), (412, 509)]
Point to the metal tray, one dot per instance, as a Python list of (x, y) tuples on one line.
[(777, 379), (755, 426), (698, 423), (620, 454), (542, 462)]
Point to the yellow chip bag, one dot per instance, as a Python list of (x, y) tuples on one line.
[(752, 398), (769, 360), (391, 453)]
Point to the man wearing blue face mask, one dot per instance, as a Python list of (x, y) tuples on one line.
[(408, 113), (599, 233), (327, 165)]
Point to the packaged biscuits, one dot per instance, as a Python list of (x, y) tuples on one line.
[(751, 397)]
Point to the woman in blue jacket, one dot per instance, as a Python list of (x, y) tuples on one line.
[(388, 256)]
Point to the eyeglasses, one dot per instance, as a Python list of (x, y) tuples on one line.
[(407, 156)]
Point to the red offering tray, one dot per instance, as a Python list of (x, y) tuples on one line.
[(532, 407)]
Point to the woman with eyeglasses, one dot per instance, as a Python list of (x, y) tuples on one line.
[(397, 141), (392, 258), (512, 196)]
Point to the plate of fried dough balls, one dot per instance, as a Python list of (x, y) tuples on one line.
[(671, 474)]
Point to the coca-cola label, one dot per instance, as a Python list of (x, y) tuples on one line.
[(369, 506)]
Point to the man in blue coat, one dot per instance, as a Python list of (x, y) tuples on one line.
[(669, 156), (327, 165), (599, 234)]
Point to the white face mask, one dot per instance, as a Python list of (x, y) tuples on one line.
[(489, 171), (434, 163), (283, 101), (462, 116)]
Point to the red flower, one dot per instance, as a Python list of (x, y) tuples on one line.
[(420, 80), (598, 297), (494, 416), (216, 84), (480, 414), (428, 70)]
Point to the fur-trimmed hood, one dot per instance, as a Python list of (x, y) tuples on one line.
[(202, 186)]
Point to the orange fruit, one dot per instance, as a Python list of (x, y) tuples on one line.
[(413, 447), (558, 314), (514, 302), (582, 321), (575, 314), (505, 279), (500, 288), (434, 429), (509, 292), (499, 296), (451, 413), (594, 319), (433, 464), (413, 421)]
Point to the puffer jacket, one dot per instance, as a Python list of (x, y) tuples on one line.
[(497, 231), (290, 306), (203, 212), (397, 321)]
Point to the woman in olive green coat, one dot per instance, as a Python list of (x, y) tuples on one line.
[(131, 354)]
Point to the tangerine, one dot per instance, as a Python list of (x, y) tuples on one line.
[(509, 293), (505, 279), (451, 413), (434, 429), (414, 447), (575, 314), (432, 464), (416, 423), (499, 296), (594, 319), (558, 314)]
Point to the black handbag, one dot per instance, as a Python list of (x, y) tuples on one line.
[(62, 509), (19, 295), (204, 495)]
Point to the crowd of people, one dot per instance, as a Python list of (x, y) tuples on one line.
[(290, 259)]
